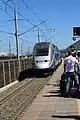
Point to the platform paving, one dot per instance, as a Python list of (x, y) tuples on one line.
[(48, 105)]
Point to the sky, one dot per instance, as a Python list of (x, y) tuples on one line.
[(61, 15)]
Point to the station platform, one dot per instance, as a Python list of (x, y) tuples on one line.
[(48, 105)]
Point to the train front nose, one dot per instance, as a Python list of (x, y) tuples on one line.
[(42, 64)]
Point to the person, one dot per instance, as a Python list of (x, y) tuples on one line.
[(78, 56), (72, 48), (69, 68)]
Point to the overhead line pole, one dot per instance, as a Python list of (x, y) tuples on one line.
[(16, 28), (16, 31), (10, 46), (38, 36)]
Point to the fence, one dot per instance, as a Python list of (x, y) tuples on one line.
[(9, 70)]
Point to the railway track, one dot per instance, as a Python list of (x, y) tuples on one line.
[(12, 93), (13, 104)]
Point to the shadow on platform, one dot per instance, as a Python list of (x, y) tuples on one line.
[(56, 93), (53, 84), (76, 117), (52, 93)]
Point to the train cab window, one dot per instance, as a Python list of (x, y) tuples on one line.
[(41, 52)]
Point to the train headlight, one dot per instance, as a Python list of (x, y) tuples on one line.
[(46, 60)]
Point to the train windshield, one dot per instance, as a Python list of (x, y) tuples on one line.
[(41, 52)]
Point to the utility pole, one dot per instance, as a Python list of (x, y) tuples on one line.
[(16, 31), (9, 47), (38, 35), (28, 50), (21, 49), (16, 27)]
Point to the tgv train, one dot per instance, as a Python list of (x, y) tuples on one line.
[(45, 56)]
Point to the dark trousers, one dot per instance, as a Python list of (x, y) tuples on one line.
[(69, 77)]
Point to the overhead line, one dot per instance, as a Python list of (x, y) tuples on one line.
[(6, 12), (8, 33), (50, 38), (1, 9), (31, 28), (21, 15), (10, 20), (31, 10), (24, 18), (23, 32), (6, 20), (18, 13), (35, 14)]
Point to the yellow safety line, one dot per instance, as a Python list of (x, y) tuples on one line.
[(78, 102)]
